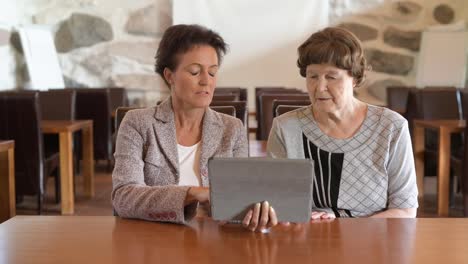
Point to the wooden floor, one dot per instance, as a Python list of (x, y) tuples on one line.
[(101, 203)]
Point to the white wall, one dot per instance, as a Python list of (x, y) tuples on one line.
[(263, 37)]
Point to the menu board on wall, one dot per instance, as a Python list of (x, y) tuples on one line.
[(41, 58), (443, 58)]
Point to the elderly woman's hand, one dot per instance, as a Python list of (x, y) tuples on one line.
[(321, 215), (260, 217)]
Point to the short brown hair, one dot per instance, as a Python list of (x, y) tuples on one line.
[(335, 46), (179, 39)]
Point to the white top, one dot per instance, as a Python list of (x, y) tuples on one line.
[(189, 165)]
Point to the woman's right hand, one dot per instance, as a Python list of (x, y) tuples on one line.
[(197, 194), (260, 217)]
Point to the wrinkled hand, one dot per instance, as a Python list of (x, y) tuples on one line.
[(260, 217), (321, 215)]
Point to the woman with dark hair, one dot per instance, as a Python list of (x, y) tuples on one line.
[(362, 154), (162, 152)]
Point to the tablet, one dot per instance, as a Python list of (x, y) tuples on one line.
[(236, 184)]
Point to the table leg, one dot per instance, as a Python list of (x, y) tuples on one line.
[(88, 161), (66, 173), (443, 174), (418, 139), (7, 185)]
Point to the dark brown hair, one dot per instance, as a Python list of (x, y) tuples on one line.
[(335, 46), (179, 39)]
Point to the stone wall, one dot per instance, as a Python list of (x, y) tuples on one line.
[(99, 42), (113, 42), (391, 34)]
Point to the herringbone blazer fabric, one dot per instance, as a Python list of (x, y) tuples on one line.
[(146, 174)]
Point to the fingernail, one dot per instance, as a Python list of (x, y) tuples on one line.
[(272, 209), (257, 205), (266, 203)]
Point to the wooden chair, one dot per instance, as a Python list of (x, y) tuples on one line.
[(434, 103), (241, 109), (282, 109), (117, 98), (57, 104), (266, 110), (459, 161), (261, 90), (241, 92), (122, 111), (20, 119), (225, 97), (119, 115), (94, 104), (285, 103), (397, 98), (227, 109)]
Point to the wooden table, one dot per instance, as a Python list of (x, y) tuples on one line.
[(7, 180), (444, 128), (107, 239), (65, 130)]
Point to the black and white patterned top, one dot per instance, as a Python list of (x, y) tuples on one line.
[(360, 176)]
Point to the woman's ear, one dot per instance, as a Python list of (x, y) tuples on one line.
[(168, 76)]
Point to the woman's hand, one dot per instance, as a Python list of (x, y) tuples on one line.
[(260, 217), (321, 215), (197, 194), (396, 213)]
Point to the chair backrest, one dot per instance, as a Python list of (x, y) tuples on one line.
[(260, 90), (240, 106), (242, 92), (270, 89), (58, 104), (397, 98), (266, 111), (119, 115), (281, 109), (284, 103), (441, 103), (225, 97), (20, 119), (433, 103), (413, 107), (118, 97), (94, 104), (227, 109), (464, 176)]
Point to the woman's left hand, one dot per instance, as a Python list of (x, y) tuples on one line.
[(261, 217)]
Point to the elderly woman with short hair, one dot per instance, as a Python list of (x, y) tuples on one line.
[(362, 154)]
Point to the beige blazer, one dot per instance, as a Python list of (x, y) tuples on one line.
[(146, 173)]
